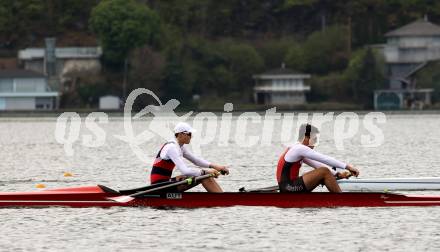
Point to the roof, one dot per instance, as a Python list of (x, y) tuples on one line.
[(62, 53), (281, 71), (419, 27), (20, 73), (29, 94), (416, 69)]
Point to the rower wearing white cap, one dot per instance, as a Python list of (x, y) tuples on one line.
[(291, 160), (171, 155)]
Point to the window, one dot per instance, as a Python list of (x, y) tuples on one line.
[(6, 85), (25, 85), (43, 103), (2, 104)]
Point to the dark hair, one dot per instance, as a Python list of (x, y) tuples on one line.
[(308, 130)]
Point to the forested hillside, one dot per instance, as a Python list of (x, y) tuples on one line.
[(212, 48)]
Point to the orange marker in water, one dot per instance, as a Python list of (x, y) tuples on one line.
[(67, 174)]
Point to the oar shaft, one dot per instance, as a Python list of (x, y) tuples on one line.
[(264, 189), (185, 181)]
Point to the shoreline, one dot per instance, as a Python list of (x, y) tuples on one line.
[(120, 113)]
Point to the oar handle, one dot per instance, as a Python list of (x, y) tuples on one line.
[(339, 170)]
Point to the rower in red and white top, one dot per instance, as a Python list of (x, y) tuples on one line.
[(171, 155), (291, 160)]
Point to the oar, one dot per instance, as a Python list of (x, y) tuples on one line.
[(128, 198), (144, 188), (264, 189), (270, 188)]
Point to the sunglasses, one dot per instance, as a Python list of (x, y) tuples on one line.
[(187, 133)]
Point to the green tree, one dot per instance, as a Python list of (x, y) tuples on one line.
[(273, 51), (332, 87), (122, 25), (429, 77), (174, 80), (146, 69), (69, 14), (293, 3), (319, 6), (19, 20), (188, 15), (321, 53), (295, 57), (26, 22), (242, 61), (365, 74), (200, 59)]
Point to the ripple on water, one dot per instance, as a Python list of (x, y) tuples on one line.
[(33, 156)]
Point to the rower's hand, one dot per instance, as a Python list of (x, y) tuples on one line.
[(354, 171), (212, 171), (221, 168), (343, 174)]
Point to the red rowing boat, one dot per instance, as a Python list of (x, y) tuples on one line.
[(101, 196)]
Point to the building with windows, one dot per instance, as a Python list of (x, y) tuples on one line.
[(25, 90), (61, 65), (109, 102), (280, 87), (407, 51)]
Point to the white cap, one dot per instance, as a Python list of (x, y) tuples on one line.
[(183, 127), (314, 134)]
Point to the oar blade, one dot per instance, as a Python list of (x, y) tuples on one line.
[(128, 198), (121, 199), (264, 189)]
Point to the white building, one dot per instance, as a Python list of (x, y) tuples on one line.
[(408, 49), (410, 46), (25, 90), (109, 102), (61, 65), (280, 87)]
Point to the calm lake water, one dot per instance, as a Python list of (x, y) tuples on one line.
[(31, 155)]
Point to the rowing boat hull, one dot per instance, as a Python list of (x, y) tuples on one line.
[(96, 197), (285, 200), (86, 196)]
